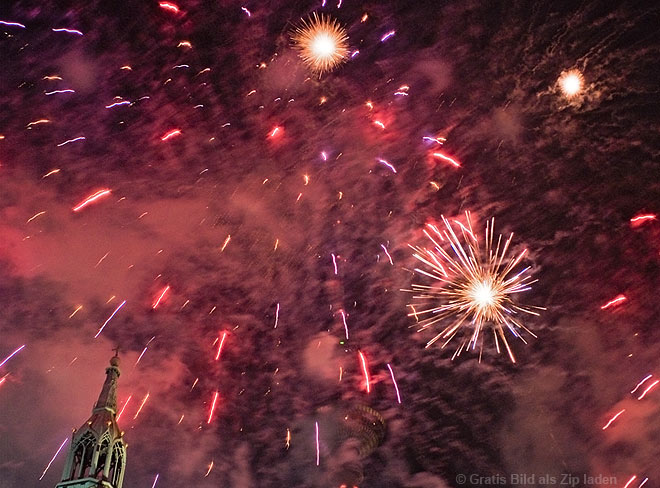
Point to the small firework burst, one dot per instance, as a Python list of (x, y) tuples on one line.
[(571, 83), (475, 286), (322, 42)]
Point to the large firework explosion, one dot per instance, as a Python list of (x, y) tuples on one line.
[(322, 42), (474, 285)]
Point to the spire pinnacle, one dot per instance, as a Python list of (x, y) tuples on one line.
[(108, 396)]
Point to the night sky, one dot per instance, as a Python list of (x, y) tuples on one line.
[(252, 199)]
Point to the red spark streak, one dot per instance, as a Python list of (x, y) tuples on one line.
[(173, 8), (91, 199), (141, 405), (215, 399), (275, 131), (614, 301), (613, 419), (224, 336), (396, 387), (447, 158), (162, 294), (170, 134), (640, 219), (124, 407), (366, 372), (648, 389)]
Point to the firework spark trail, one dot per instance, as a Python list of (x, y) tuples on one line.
[(249, 14), (334, 262), (640, 219), (160, 297), (81, 138), (274, 132), (614, 302), (277, 315), (12, 355), (118, 104), (396, 387), (640, 383), (613, 419), (215, 399), (473, 286), (386, 163), (57, 92), (318, 450), (141, 406), (91, 199), (388, 254), (224, 245), (170, 134), (224, 336), (124, 407), (155, 481), (652, 385), (3, 379), (109, 319), (387, 36), (53, 459), (643, 483), (444, 157), (11, 24), (171, 7), (208, 471), (633, 478), (343, 318), (288, 438), (365, 370), (143, 351), (322, 43), (68, 31)]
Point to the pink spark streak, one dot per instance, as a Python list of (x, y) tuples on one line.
[(53, 459), (613, 419), (224, 336), (215, 399), (318, 451), (615, 301), (365, 370), (396, 388), (170, 134), (12, 355), (447, 158), (109, 319)]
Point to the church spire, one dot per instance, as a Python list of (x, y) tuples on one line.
[(108, 397), (97, 456)]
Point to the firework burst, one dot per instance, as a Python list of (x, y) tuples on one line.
[(571, 83), (475, 285), (322, 42)]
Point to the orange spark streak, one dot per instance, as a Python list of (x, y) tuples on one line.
[(365, 370), (158, 300), (447, 158), (141, 405)]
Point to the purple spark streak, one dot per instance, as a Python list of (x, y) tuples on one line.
[(277, 314), (12, 24), (387, 36), (109, 318), (116, 104), (249, 14), (12, 355), (396, 388), (69, 31), (81, 138), (155, 480), (382, 161)]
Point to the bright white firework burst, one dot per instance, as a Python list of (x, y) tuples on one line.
[(476, 286), (571, 83), (322, 42)]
